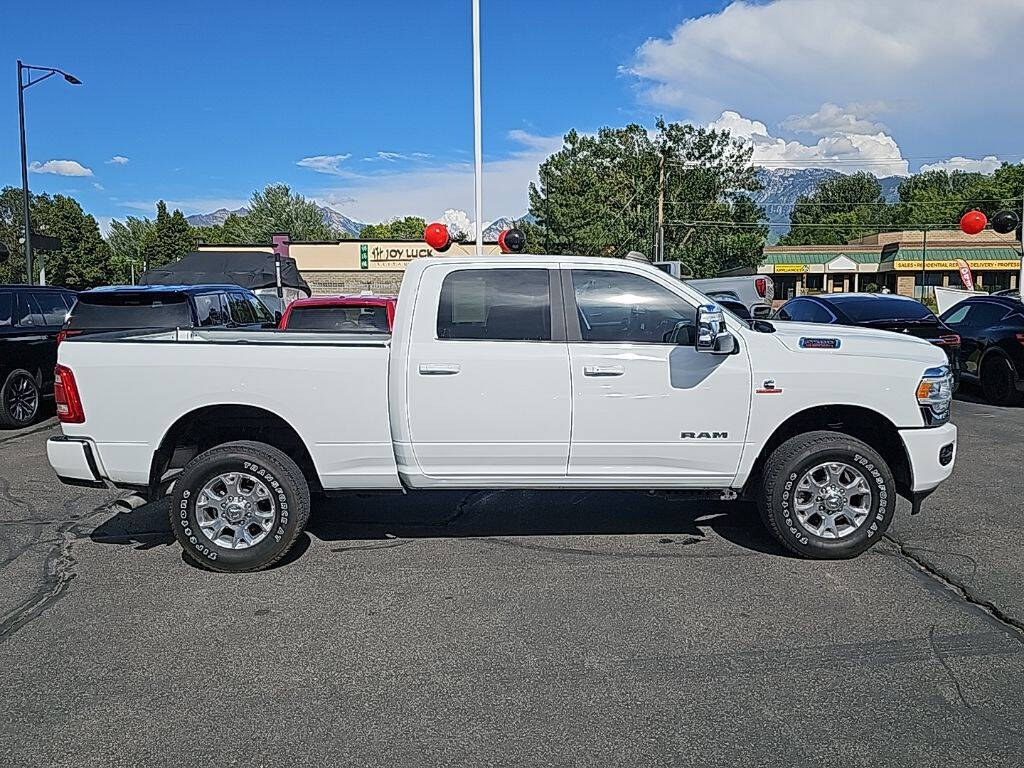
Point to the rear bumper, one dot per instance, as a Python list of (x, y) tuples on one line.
[(74, 461), (932, 454)]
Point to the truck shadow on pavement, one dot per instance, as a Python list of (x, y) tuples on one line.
[(361, 520)]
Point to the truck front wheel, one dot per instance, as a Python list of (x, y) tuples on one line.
[(239, 507), (827, 495)]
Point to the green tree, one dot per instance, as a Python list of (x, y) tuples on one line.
[(278, 209), (598, 196), (409, 228), (129, 242), (839, 210), (172, 239), (12, 266)]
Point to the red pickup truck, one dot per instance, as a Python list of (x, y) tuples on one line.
[(365, 312)]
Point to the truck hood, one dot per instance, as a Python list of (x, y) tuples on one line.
[(859, 342)]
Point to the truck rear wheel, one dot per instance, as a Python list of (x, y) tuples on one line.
[(826, 495), (239, 507)]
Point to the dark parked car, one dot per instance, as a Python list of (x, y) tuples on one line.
[(991, 332), (30, 319), (166, 306), (884, 311)]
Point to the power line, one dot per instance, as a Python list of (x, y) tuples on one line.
[(1000, 200)]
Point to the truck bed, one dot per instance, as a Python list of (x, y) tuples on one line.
[(332, 388)]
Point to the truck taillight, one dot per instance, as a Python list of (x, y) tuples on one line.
[(65, 394), (61, 335), (761, 286)]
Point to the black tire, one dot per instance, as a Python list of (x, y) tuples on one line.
[(20, 399), (787, 465), (288, 495), (999, 381)]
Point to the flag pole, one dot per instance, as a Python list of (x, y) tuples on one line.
[(477, 141)]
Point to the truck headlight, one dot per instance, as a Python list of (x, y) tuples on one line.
[(934, 394)]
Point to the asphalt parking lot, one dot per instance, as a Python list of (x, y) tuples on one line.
[(526, 628)]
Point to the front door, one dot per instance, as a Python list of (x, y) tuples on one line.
[(644, 406), (488, 374)]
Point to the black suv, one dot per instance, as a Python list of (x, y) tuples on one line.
[(125, 307), (991, 332), (30, 319)]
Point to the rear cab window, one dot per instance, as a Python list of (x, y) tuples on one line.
[(130, 310), (241, 311), (344, 318), (495, 305), (212, 310)]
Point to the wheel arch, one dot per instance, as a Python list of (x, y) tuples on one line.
[(865, 424), (211, 425)]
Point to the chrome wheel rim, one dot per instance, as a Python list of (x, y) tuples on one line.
[(21, 398), (235, 510), (832, 500)]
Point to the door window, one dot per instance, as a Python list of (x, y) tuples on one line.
[(495, 305), (623, 307), (241, 311), (986, 313), (808, 312), (959, 316), (260, 310), (52, 306), (5, 308), (211, 310)]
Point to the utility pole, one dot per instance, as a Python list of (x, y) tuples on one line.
[(659, 249)]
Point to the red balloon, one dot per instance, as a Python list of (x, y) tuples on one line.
[(973, 222), (437, 236)]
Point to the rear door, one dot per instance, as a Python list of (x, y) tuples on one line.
[(645, 408), (488, 392)]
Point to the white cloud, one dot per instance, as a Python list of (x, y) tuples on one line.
[(60, 168), (98, 186), (848, 152), (458, 221), (931, 60), (831, 119), (330, 164), (987, 164), (118, 160)]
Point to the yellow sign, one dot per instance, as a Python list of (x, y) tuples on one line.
[(781, 268), (953, 265)]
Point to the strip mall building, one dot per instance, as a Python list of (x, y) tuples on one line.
[(899, 261), (893, 260)]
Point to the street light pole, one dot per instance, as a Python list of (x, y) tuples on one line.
[(24, 81), (477, 142), (24, 178)]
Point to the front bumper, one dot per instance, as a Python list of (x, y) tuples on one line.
[(74, 461), (932, 454)]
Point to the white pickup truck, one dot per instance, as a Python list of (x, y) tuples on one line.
[(512, 372)]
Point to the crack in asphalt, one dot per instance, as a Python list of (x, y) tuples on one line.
[(960, 690), (958, 587), (58, 569)]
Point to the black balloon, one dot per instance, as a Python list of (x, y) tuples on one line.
[(1005, 222)]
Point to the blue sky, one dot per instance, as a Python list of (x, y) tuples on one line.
[(367, 106)]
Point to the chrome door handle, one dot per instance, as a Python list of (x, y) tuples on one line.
[(603, 370), (439, 369)]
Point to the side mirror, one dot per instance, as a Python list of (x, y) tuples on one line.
[(712, 335)]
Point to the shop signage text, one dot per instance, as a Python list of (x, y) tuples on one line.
[(781, 268), (954, 265)]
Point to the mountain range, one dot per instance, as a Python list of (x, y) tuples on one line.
[(781, 188)]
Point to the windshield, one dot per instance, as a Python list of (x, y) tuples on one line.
[(130, 310), (866, 310), (341, 318)]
